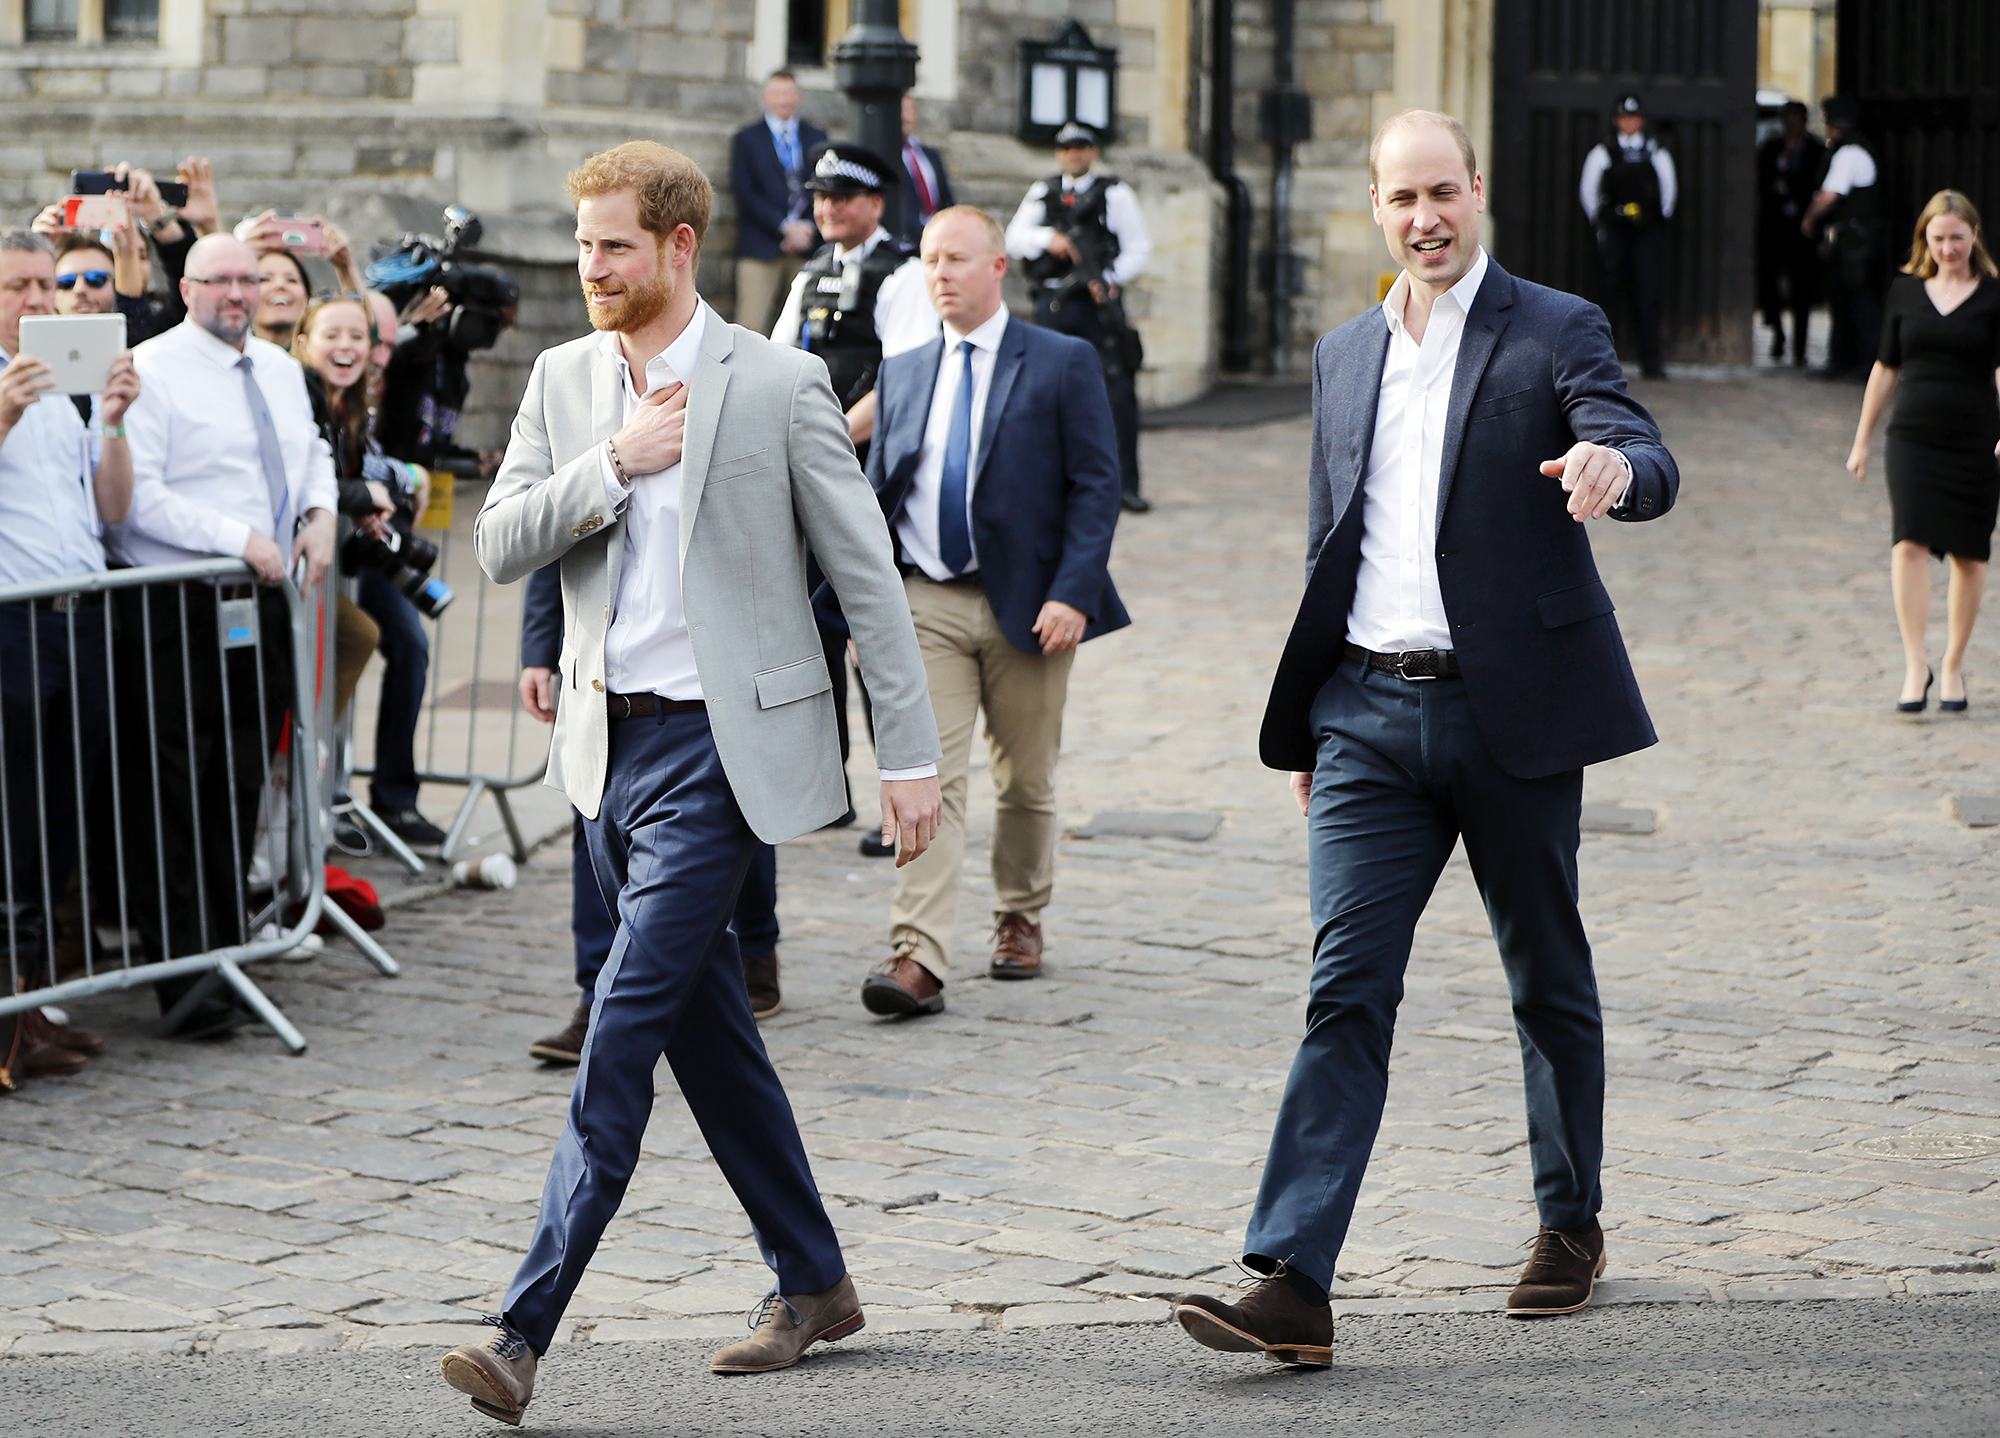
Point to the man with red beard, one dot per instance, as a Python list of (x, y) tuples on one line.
[(679, 468)]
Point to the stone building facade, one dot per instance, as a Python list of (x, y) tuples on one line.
[(379, 112)]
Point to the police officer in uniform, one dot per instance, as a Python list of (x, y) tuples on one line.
[(862, 296), (1845, 216), (1628, 190), (1084, 241)]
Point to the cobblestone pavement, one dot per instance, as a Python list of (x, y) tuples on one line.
[(1799, 959)]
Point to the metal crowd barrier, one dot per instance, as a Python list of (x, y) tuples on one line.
[(131, 767), (475, 665)]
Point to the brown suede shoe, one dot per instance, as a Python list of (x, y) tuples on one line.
[(785, 1327), (1017, 948), (1561, 1274), (497, 1374), (900, 987), (1271, 1319), (760, 981), (567, 1046)]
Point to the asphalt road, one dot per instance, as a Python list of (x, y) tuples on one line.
[(1892, 1367)]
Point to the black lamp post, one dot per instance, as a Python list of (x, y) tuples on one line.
[(875, 65)]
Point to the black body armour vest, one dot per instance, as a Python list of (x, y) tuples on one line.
[(837, 315), (1630, 194), (1082, 219)]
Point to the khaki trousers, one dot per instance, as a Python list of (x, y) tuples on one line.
[(972, 666), (761, 287)]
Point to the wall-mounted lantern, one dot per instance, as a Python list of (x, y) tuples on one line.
[(1064, 79)]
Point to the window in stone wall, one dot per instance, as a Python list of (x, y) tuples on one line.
[(814, 27), (51, 19), (131, 19)]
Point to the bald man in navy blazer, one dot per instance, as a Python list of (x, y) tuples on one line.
[(1454, 665)]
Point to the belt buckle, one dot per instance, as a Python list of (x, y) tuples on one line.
[(1427, 657), (626, 700)]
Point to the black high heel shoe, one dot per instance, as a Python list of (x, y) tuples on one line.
[(1952, 706), (1917, 706)]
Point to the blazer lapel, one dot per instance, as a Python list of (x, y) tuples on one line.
[(1483, 328), (1356, 394), (607, 417), (911, 419), (705, 391), (1006, 365)]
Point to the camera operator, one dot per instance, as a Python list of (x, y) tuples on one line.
[(335, 340)]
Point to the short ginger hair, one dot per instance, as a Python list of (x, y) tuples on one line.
[(671, 188), (988, 226)]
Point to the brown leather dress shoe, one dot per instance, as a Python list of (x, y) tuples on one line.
[(40, 1055), (760, 981), (1561, 1274), (565, 1047), (785, 1327), (900, 987), (1272, 1318), (1017, 948), (77, 1041), (497, 1374)]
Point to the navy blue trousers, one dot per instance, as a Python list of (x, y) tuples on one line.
[(406, 662), (670, 843), (592, 928), (1402, 775)]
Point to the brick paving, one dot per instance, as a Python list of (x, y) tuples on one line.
[(1800, 958)]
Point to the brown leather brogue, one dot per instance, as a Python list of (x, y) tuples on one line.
[(760, 982), (784, 1327), (1017, 948), (497, 1373), (41, 1055), (1561, 1275), (1272, 1318), (900, 987), (77, 1041), (565, 1047)]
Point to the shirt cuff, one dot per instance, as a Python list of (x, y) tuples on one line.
[(922, 771), (615, 492), (1624, 500)]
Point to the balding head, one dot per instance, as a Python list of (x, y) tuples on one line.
[(220, 287), (1415, 121)]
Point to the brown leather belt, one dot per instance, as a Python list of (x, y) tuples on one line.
[(1408, 664), (647, 706)]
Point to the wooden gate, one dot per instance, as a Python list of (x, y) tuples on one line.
[(1558, 67), (1927, 76)]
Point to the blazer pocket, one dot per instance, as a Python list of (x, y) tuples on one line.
[(1575, 604), (789, 683), (1503, 403), (737, 466)]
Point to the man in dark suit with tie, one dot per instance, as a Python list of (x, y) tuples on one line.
[(996, 462), (930, 183), (774, 228), (1453, 667)]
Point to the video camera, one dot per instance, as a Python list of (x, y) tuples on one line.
[(483, 297)]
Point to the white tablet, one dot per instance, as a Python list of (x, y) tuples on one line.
[(78, 349)]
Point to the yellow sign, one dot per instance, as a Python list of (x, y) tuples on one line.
[(437, 514), (1384, 279)]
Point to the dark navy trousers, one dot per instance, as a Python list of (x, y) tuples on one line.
[(1402, 775), (672, 848), (592, 928)]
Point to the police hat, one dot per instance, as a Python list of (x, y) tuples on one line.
[(1844, 114), (1628, 105), (839, 168), (1074, 135)]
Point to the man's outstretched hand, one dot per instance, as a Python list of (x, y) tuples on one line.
[(1594, 476), (911, 809)]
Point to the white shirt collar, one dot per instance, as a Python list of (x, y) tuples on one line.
[(864, 249), (679, 358), (1461, 294), (780, 127), (985, 336), (216, 350), (1081, 182)]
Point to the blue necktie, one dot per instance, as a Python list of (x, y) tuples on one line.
[(788, 143), (954, 538), (269, 453)]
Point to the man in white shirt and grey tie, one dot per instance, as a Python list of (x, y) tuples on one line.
[(226, 461)]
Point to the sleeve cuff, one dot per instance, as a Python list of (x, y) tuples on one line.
[(922, 771), (615, 493), (1624, 500)]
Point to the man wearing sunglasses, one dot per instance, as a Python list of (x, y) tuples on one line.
[(86, 284)]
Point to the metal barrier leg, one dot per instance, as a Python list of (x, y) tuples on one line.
[(254, 999), (462, 819), (402, 853), (359, 937), (174, 1017), (506, 808)]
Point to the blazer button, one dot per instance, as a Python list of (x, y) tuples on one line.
[(598, 685), (576, 531)]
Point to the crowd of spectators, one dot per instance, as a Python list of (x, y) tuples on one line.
[(241, 422)]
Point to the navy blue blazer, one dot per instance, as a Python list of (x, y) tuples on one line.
[(1545, 669), (763, 195), (912, 230), (542, 618), (1045, 494)]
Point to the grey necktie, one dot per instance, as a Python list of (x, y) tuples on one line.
[(268, 449)]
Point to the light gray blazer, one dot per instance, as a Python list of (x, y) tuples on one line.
[(767, 471)]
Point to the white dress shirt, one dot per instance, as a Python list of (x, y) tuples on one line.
[(918, 527), (1028, 236), (198, 487), (49, 527), (1851, 168), (904, 317), (647, 649), (1590, 188)]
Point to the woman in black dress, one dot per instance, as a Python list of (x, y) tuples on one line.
[(1940, 361)]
